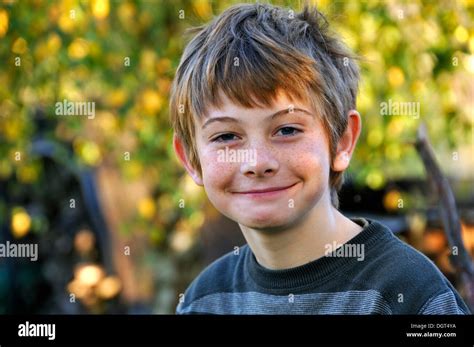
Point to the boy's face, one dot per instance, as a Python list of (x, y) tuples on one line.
[(274, 169)]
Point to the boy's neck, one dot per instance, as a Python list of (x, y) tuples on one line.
[(304, 242)]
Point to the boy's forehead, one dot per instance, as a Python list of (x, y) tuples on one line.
[(232, 109)]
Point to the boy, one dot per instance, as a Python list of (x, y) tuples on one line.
[(263, 109)]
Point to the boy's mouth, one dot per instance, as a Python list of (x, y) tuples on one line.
[(264, 192)]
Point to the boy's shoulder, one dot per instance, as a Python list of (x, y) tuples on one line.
[(218, 277), (407, 277), (401, 262)]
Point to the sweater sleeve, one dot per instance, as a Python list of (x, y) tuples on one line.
[(443, 303)]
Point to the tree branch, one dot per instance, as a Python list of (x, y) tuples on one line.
[(449, 215)]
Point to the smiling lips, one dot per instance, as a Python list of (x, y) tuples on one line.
[(265, 191)]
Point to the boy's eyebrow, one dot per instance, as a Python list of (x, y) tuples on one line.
[(272, 116)]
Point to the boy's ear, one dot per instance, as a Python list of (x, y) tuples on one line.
[(183, 158), (347, 142)]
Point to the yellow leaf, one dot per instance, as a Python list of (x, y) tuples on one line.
[(5, 169), (27, 173), (146, 208), (461, 34), (21, 223), (133, 170), (196, 220), (471, 44), (469, 62), (375, 137), (54, 43), (375, 179), (117, 98), (20, 46), (152, 101), (78, 49), (392, 151), (163, 65), (395, 76), (100, 8), (12, 128), (202, 8), (69, 19), (3, 22), (88, 151)]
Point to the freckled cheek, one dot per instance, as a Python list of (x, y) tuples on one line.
[(216, 175), (310, 160)]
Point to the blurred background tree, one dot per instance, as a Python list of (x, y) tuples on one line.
[(119, 224)]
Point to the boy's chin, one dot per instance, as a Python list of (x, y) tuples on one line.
[(268, 224)]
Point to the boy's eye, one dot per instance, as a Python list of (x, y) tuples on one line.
[(288, 131), (285, 131), (224, 138)]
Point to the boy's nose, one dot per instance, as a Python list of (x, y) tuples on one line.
[(265, 164)]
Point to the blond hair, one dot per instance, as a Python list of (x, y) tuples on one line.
[(251, 51)]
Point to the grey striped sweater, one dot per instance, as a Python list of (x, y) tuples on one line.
[(391, 278)]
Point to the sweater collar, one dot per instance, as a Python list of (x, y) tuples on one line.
[(320, 269)]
